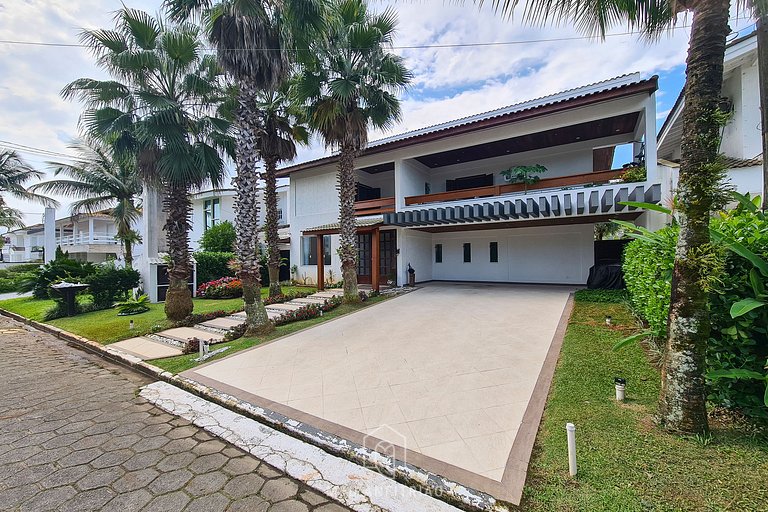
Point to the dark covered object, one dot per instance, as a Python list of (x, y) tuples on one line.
[(606, 277)]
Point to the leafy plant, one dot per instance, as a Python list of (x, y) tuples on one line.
[(133, 306), (634, 174), (525, 174), (110, 284), (62, 268), (213, 265), (219, 238), (224, 288)]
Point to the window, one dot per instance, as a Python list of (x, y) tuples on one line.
[(438, 253), (309, 250), (467, 253), (279, 215), (211, 212), (494, 252)]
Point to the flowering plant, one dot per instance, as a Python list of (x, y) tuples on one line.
[(224, 288)]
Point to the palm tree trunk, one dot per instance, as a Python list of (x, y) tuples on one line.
[(178, 301), (682, 405), (270, 225), (247, 211), (347, 227), (128, 253)]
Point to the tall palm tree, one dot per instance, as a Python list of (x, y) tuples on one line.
[(351, 85), (682, 404), (160, 107), (14, 174), (103, 180), (257, 43), (280, 130)]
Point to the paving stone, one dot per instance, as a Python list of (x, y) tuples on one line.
[(89, 500), (175, 461), (211, 503), (80, 457), (312, 497), (208, 463), (249, 504), (143, 460), (50, 499), (241, 465), (128, 501), (65, 476), (174, 502), (289, 506), (182, 432), (208, 447), (181, 445), (244, 485), (268, 471), (172, 481), (279, 489), (206, 484), (331, 507), (135, 480), (100, 478), (109, 459), (11, 498)]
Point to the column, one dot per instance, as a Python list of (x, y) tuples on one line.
[(375, 249), (90, 230), (320, 263), (49, 234)]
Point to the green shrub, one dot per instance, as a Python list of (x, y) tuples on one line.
[(604, 296), (110, 284), (62, 268), (740, 343), (133, 306), (12, 277), (219, 238), (213, 265)]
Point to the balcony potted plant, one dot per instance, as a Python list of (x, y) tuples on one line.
[(525, 174)]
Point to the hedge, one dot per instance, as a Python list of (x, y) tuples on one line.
[(213, 265)]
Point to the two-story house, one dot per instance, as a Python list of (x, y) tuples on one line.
[(436, 200), (741, 143)]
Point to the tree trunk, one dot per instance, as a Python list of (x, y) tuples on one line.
[(682, 405), (347, 226), (762, 66), (270, 224), (128, 253), (247, 210), (178, 300)]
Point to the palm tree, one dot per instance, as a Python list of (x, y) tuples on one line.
[(349, 87), (682, 404), (14, 174), (161, 108), (280, 131), (102, 180), (257, 43)]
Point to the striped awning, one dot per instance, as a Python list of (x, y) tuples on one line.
[(364, 222)]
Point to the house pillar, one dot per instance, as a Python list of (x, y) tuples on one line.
[(320, 263), (49, 235), (375, 248), (90, 230)]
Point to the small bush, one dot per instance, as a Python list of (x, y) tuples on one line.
[(62, 268), (213, 265), (133, 306), (219, 238), (602, 296), (110, 284), (224, 288)]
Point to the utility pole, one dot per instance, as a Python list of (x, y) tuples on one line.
[(762, 68)]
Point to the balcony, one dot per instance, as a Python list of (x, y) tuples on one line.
[(85, 239), (591, 178), (375, 206)]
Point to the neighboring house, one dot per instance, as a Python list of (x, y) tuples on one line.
[(434, 198), (742, 135), (85, 237)]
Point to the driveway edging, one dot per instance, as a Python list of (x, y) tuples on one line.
[(404, 473)]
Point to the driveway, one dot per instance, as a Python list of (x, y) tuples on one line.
[(445, 373)]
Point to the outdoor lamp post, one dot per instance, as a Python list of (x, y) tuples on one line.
[(620, 385)]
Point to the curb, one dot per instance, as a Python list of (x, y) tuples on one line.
[(429, 483)]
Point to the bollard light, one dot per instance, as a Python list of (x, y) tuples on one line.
[(130, 324), (570, 429), (608, 320), (620, 385)]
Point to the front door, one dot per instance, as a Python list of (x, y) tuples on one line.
[(364, 273), (388, 256)]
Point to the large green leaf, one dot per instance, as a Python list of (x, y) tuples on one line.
[(736, 373), (741, 250), (631, 339), (647, 206), (744, 306)]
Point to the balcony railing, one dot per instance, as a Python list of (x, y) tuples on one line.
[(593, 178), (85, 239), (375, 206)]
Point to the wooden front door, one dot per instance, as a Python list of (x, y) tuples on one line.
[(388, 256), (364, 270)]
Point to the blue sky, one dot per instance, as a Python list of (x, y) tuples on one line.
[(449, 82)]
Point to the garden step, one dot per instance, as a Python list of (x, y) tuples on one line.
[(224, 322), (185, 333), (241, 316), (309, 300), (285, 306), (146, 348)]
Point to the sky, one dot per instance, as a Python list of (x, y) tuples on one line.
[(449, 81)]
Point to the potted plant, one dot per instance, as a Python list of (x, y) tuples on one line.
[(525, 174)]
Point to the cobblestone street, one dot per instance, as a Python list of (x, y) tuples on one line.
[(74, 436)]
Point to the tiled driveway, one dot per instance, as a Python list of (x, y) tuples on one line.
[(446, 372)]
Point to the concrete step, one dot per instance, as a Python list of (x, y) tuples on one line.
[(308, 300), (146, 348), (224, 322), (285, 306), (185, 333)]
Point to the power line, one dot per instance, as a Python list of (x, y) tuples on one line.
[(33, 150)]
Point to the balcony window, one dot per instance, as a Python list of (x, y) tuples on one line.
[(309, 250), (211, 212), (438, 253), (467, 253), (494, 252)]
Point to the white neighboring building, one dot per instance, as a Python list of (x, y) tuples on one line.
[(742, 136), (435, 199), (85, 237)]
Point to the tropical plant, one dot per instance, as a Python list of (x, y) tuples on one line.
[(682, 403), (162, 106), (220, 237), (110, 284), (525, 174), (634, 174), (213, 265), (241, 30), (14, 174), (133, 306), (349, 86), (277, 143), (103, 180), (61, 268)]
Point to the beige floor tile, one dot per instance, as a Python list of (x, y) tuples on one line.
[(340, 401), (456, 453), (382, 414), (376, 396), (491, 451), (496, 474), (422, 408), (278, 394), (398, 434), (508, 417), (297, 392), (313, 406), (350, 418), (411, 390), (474, 423), (432, 431)]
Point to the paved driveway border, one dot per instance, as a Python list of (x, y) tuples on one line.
[(510, 489)]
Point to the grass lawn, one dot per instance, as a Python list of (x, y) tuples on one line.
[(106, 327), (179, 364), (625, 462)]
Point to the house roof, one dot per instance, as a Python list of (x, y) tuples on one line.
[(621, 86), (364, 222)]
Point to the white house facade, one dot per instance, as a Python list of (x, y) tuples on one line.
[(741, 143), (435, 200)]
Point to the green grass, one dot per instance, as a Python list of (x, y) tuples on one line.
[(179, 364), (106, 327), (625, 462)]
